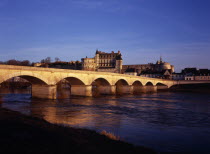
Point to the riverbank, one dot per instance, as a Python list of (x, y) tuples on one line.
[(196, 88), (25, 134)]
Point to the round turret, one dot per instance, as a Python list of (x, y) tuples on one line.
[(166, 66)]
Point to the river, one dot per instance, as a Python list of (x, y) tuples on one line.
[(164, 121)]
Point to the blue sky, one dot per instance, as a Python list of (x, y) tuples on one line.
[(141, 29)]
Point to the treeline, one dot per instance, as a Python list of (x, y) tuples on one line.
[(27, 62), (17, 62), (49, 60)]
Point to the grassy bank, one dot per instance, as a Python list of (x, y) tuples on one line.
[(25, 134)]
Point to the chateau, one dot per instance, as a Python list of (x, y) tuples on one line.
[(112, 62), (150, 68), (103, 62)]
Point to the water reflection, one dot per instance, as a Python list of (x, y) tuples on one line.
[(82, 112), (164, 121)]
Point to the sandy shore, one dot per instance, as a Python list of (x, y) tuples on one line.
[(24, 134)]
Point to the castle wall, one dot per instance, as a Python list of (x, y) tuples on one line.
[(158, 67), (139, 68)]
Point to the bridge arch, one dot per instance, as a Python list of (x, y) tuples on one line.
[(40, 87), (137, 87), (68, 86), (100, 82), (101, 79), (71, 78), (161, 86), (122, 82), (149, 83), (72, 81), (122, 87), (33, 78), (150, 87), (137, 82), (100, 86)]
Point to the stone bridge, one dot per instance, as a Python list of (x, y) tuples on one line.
[(44, 81)]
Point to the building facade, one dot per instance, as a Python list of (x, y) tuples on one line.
[(198, 77), (103, 62), (194, 74), (131, 71), (178, 76), (206, 77)]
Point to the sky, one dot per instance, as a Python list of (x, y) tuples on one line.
[(143, 30)]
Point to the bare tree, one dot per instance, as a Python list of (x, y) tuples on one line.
[(57, 59), (48, 60), (42, 61)]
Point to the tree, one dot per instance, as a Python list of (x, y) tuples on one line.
[(25, 63), (57, 59), (48, 60), (13, 62), (42, 61)]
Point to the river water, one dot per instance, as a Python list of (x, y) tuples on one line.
[(164, 121)]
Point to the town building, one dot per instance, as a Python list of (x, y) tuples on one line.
[(198, 77), (194, 74), (177, 76), (189, 71), (204, 77), (189, 77), (152, 75), (103, 62), (131, 71)]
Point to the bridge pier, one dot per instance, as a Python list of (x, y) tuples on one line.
[(44, 91), (124, 89), (143, 89), (151, 89), (162, 87), (139, 89), (81, 90), (112, 90), (107, 90)]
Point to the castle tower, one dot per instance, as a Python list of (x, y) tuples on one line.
[(97, 59), (119, 60), (88, 64)]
